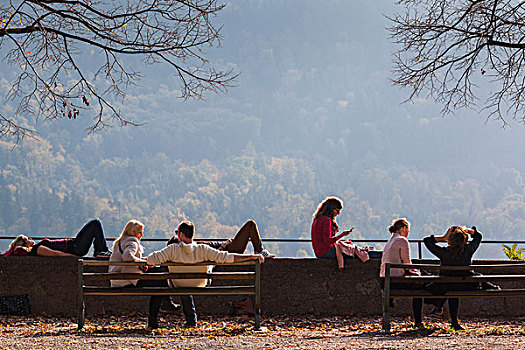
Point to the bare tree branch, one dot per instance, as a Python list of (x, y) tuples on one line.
[(43, 41), (463, 54)]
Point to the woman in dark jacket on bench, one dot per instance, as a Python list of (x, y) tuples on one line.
[(459, 252)]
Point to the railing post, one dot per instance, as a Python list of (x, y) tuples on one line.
[(258, 296), (386, 300), (419, 250), (80, 286)]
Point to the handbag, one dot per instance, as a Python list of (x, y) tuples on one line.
[(242, 307), (17, 305)]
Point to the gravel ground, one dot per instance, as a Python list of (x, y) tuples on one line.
[(237, 333)]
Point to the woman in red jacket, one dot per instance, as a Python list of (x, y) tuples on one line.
[(324, 228)]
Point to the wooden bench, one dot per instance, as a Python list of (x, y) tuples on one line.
[(253, 276), (388, 292)]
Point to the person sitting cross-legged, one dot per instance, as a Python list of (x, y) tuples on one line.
[(189, 252)]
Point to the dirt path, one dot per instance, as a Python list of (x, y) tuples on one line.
[(237, 333)]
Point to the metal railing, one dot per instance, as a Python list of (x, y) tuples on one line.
[(419, 242)]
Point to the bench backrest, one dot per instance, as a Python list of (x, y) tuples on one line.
[(517, 268), (188, 273)]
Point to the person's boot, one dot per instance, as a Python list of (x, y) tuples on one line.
[(167, 306), (152, 323), (437, 310), (457, 327)]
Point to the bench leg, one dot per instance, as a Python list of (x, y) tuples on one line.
[(386, 313), (80, 300), (81, 311), (258, 319), (386, 299), (386, 309), (258, 296)]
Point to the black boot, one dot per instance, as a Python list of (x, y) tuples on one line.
[(167, 306), (152, 323), (456, 326)]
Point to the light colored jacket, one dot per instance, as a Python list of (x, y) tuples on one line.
[(189, 254), (131, 251), (348, 248), (396, 251)]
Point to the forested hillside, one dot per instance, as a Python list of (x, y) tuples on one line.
[(313, 114)]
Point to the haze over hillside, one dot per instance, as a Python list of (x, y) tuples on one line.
[(313, 114)]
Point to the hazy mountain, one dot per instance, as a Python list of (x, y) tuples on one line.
[(313, 114)]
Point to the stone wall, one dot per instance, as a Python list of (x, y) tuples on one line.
[(290, 286)]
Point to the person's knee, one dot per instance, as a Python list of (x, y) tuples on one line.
[(251, 224), (95, 221)]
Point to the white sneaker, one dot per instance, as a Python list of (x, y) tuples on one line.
[(266, 254)]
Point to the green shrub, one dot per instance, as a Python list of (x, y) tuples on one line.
[(513, 253)]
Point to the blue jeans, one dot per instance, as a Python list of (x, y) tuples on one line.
[(154, 301), (375, 254), (91, 233), (188, 308), (330, 254)]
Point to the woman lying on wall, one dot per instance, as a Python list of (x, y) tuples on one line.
[(327, 244), (91, 234)]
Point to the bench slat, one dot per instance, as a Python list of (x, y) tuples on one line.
[(132, 263), (454, 279), (399, 293), (148, 291), (513, 266), (101, 276)]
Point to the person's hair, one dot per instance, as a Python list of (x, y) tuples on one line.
[(187, 228), (457, 241), (130, 229), (327, 206), (19, 241), (397, 224)]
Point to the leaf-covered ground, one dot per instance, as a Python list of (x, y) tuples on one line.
[(130, 332)]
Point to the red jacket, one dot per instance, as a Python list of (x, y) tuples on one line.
[(21, 251), (322, 235)]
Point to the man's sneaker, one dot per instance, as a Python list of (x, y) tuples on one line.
[(103, 255), (266, 254)]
